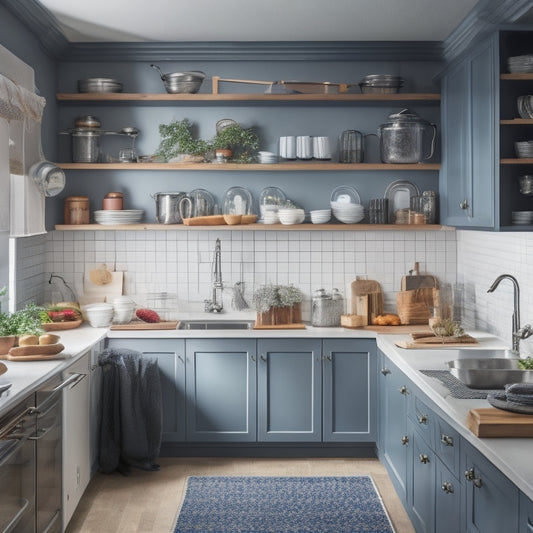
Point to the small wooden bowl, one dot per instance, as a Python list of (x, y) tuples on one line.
[(232, 220), (248, 219)]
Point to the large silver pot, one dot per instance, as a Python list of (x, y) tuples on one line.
[(405, 138), (167, 207)]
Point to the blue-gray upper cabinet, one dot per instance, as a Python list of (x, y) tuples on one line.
[(289, 379), (491, 499), (221, 390), (470, 154), (170, 355), (394, 442), (349, 390)]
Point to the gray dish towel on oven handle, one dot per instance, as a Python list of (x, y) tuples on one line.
[(131, 421)]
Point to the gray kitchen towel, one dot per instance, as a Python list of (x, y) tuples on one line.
[(131, 421)]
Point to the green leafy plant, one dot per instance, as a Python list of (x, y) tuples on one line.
[(243, 142), (177, 138), (525, 364), (26, 321), (447, 328), (268, 296)]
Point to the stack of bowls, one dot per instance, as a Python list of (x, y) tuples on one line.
[(522, 217), (381, 84), (347, 212), (520, 64), (320, 216), (525, 106), (291, 216), (123, 308), (524, 149), (99, 315), (270, 214)]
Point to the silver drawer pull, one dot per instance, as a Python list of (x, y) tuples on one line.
[(470, 475), (385, 371), (423, 419), (405, 440), (446, 440), (404, 390)]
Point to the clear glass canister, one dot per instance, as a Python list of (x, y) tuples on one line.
[(327, 308)]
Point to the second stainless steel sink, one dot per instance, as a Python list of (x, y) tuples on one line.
[(489, 372), (215, 324)]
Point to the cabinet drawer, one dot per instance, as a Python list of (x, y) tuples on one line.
[(447, 445), (423, 419)]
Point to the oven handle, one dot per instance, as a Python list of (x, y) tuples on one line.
[(52, 522), (17, 517), (13, 449), (5, 430), (71, 381)]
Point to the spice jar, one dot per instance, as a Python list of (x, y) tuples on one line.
[(326, 308), (113, 200), (77, 210)]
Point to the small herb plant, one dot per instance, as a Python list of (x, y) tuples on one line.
[(268, 296), (243, 142), (447, 328), (27, 321), (177, 138)]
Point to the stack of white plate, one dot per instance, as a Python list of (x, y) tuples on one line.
[(525, 106), (524, 149), (118, 216), (520, 64), (267, 157), (522, 217), (348, 213), (291, 216), (320, 216)]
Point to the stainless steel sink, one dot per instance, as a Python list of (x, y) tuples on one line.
[(489, 372), (215, 324)]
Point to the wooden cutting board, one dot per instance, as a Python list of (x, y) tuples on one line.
[(493, 422), (366, 299), (138, 325), (281, 326), (418, 281), (437, 343)]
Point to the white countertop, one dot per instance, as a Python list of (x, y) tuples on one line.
[(507, 454), (510, 455)]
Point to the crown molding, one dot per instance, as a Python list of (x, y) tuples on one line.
[(485, 18)]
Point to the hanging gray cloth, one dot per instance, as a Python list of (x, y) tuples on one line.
[(131, 422)]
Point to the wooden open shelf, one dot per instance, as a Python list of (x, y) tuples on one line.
[(517, 122), (517, 77), (517, 161), (255, 227), (254, 97), (285, 166)]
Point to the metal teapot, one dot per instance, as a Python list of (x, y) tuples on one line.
[(404, 138)]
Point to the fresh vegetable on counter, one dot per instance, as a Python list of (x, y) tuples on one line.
[(63, 312)]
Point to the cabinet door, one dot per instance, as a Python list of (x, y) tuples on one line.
[(349, 390), (95, 404), (76, 436), (221, 390), (421, 485), (526, 514), (448, 493), (289, 390), (394, 447), (491, 499), (467, 180), (170, 355)]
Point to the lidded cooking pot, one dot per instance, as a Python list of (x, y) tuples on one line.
[(166, 207), (405, 139)]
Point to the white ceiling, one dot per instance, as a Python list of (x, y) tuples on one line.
[(258, 20)]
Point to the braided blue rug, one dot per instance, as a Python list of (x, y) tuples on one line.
[(282, 505)]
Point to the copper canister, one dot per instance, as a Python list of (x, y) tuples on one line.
[(77, 210), (113, 200)]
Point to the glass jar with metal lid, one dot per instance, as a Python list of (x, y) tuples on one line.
[(326, 308)]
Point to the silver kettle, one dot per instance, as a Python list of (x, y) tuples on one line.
[(405, 138)]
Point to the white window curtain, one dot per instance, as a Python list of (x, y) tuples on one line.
[(21, 110)]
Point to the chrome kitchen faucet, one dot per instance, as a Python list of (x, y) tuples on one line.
[(518, 333), (215, 304)]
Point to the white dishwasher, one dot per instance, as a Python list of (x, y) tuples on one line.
[(76, 436)]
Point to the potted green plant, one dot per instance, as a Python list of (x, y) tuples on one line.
[(236, 143), (26, 321), (278, 304), (178, 143)]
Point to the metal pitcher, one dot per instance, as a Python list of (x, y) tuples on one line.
[(404, 139), (167, 207)]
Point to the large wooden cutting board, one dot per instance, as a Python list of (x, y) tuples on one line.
[(366, 299), (438, 343), (415, 280), (138, 325), (493, 422)]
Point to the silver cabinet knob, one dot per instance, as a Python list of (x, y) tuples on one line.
[(464, 204), (446, 440), (470, 475), (404, 390), (447, 487), (385, 371), (423, 419), (424, 458), (405, 440)]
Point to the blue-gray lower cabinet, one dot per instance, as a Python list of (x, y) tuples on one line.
[(289, 390), (526, 514), (491, 498), (448, 500), (349, 394), (170, 355), (394, 445), (221, 390)]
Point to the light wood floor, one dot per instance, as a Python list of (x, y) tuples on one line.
[(147, 502)]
